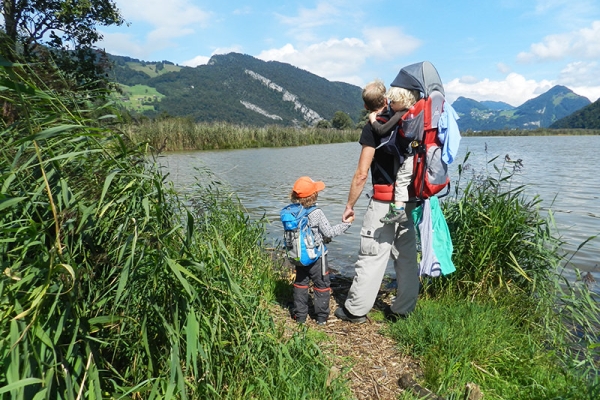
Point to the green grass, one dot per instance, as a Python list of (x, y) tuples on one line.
[(173, 134), (460, 341), (137, 97), (506, 320), (113, 287), (150, 68)]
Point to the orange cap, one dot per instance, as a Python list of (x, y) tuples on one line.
[(305, 186)]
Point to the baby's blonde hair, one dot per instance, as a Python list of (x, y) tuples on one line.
[(407, 98)]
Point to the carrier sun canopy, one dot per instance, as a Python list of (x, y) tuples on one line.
[(420, 76)]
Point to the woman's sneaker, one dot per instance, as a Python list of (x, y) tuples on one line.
[(344, 315)]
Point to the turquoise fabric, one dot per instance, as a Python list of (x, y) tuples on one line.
[(440, 235), (442, 242)]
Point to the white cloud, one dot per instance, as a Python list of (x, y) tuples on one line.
[(194, 62), (577, 72), (344, 59), (167, 21), (323, 14), (389, 42), (122, 44), (514, 90), (503, 68), (581, 43), (468, 79), (176, 14), (336, 60), (566, 11), (583, 78), (202, 60), (227, 50), (304, 26)]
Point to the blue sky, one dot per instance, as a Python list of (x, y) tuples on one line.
[(503, 50)]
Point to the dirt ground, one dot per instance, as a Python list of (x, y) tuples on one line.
[(375, 364)]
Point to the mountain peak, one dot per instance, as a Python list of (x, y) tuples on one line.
[(539, 112)]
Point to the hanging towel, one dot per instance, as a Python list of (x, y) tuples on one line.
[(436, 243), (449, 133)]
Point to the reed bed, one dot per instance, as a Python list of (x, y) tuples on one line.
[(175, 134), (112, 288), (506, 320)]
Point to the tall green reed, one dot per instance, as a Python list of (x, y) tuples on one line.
[(508, 256), (172, 134), (112, 288), (502, 244)]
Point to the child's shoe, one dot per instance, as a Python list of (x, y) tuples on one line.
[(393, 216), (299, 320)]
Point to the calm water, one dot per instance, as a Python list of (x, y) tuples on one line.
[(562, 170)]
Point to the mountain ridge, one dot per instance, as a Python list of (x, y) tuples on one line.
[(242, 89), (539, 112)]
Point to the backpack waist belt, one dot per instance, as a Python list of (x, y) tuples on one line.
[(383, 192)]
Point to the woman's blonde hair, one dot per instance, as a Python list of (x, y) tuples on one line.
[(407, 98), (304, 201)]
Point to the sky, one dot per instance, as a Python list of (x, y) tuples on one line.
[(502, 50)]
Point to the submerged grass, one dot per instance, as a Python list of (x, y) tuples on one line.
[(506, 320), (112, 288), (172, 134)]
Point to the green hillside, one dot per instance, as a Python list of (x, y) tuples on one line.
[(586, 118), (239, 89), (138, 98), (539, 112)]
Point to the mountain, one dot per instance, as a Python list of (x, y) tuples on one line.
[(240, 89), (497, 105), (539, 112), (586, 118)]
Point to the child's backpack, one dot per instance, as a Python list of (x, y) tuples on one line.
[(420, 124), (298, 238)]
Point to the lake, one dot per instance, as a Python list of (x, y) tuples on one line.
[(562, 170)]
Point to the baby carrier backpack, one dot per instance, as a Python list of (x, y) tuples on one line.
[(420, 127), (393, 143), (298, 238)]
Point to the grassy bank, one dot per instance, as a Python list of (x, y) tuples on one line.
[(112, 288), (173, 134), (506, 320)]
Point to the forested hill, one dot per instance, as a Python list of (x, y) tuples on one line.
[(240, 89), (539, 112), (586, 118)]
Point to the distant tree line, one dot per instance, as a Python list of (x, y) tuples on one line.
[(532, 132)]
